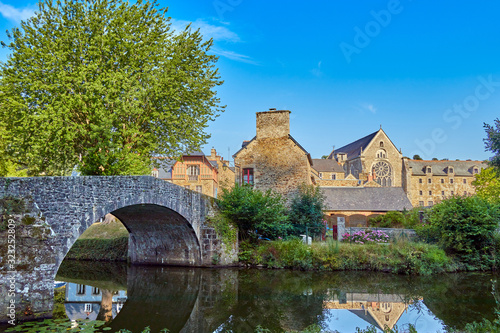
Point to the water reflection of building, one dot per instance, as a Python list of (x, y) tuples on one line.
[(88, 302), (379, 310)]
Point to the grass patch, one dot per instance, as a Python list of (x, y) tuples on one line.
[(98, 230), (115, 249), (401, 258)]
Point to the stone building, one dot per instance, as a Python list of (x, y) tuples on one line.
[(428, 182), (273, 159), (198, 172), (373, 157), (366, 177)]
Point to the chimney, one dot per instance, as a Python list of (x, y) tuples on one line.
[(273, 124), (213, 154)]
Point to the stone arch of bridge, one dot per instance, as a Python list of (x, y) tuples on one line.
[(159, 235)]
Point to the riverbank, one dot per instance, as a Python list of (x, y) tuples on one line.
[(101, 242)]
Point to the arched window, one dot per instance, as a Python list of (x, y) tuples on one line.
[(381, 153), (381, 143)]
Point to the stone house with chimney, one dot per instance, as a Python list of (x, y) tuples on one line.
[(273, 159)]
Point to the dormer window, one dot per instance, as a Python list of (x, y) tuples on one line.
[(475, 170), (428, 169), (450, 170)]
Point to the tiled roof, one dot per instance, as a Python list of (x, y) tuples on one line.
[(326, 165), (381, 199), (440, 168), (353, 149), (214, 164)]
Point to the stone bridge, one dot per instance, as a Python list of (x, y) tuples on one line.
[(43, 216)]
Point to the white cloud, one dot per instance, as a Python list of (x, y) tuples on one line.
[(218, 33), (366, 107), (16, 14), (317, 71), (234, 56)]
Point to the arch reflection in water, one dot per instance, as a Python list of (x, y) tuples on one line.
[(209, 300)]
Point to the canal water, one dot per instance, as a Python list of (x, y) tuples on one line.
[(239, 300)]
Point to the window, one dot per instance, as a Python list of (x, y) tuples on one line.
[(476, 170), (187, 187), (88, 307), (442, 181), (430, 203), (451, 192), (95, 291), (381, 143), (442, 193), (198, 188), (450, 169), (154, 173), (465, 192), (320, 174), (451, 180), (80, 289), (420, 203), (429, 180), (193, 170), (420, 180), (381, 153), (465, 181), (428, 170), (421, 193), (430, 192), (248, 176), (334, 176)]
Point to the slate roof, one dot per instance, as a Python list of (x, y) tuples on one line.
[(214, 164), (440, 168), (381, 199), (353, 149), (326, 165), (165, 169)]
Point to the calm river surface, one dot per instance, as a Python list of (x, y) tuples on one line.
[(238, 300)]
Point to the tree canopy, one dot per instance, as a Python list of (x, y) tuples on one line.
[(492, 142), (105, 85)]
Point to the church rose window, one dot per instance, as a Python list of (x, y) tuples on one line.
[(382, 173)]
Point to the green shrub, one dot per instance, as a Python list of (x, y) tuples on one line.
[(464, 227), (306, 210), (256, 214), (406, 219)]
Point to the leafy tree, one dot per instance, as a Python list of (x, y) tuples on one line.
[(435, 159), (306, 210), (487, 185), (104, 85), (417, 157), (255, 213), (464, 226), (493, 142)]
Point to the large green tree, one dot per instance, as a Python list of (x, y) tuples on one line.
[(487, 185), (105, 85)]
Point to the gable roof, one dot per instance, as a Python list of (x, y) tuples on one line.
[(381, 199), (353, 149), (326, 165), (439, 168), (244, 145)]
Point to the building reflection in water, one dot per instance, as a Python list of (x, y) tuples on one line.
[(88, 302), (379, 310)]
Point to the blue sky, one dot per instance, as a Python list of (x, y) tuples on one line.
[(428, 72)]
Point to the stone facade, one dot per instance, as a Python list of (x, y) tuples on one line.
[(167, 225), (444, 179), (273, 159), (226, 174)]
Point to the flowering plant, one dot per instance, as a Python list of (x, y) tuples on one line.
[(366, 236)]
